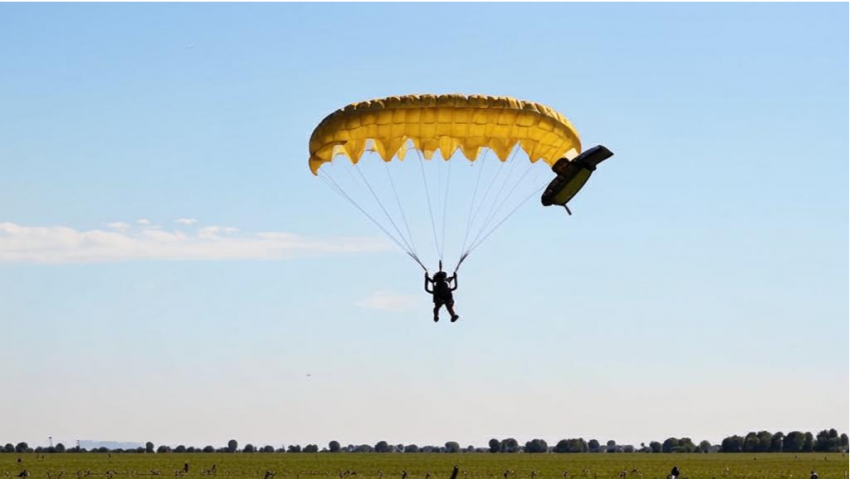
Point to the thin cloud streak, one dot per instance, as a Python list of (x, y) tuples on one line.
[(390, 302)]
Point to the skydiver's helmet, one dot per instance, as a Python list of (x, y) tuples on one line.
[(440, 276)]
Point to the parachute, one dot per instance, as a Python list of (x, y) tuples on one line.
[(350, 147)]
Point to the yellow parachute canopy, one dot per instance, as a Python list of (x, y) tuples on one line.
[(444, 123)]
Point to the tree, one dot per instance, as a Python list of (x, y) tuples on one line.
[(704, 446), (827, 441), (611, 446), (793, 442), (669, 444), (808, 442), (452, 447), (411, 448), (311, 448), (232, 445), (149, 448), (495, 445), (732, 444), (510, 445), (536, 446), (685, 445), (60, 448), (842, 441), (295, 448), (628, 448), (180, 448), (382, 446), (248, 448), (9, 447), (578, 445), (776, 442), (655, 446), (751, 442), (765, 440), (570, 445), (333, 446), (21, 447), (163, 449), (209, 449), (593, 445)]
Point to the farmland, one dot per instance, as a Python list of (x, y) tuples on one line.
[(422, 466)]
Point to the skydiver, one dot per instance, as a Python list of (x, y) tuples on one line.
[(442, 293)]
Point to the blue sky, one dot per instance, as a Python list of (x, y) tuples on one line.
[(172, 272)]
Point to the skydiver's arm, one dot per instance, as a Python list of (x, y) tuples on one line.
[(427, 280), (454, 278)]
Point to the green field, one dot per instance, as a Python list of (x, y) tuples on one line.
[(422, 466)]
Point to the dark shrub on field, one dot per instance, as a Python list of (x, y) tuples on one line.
[(249, 448), (232, 445), (149, 447), (180, 448), (311, 448), (21, 447), (333, 446), (411, 448), (209, 449), (294, 448), (9, 447), (267, 449), (593, 445), (452, 447), (382, 446)]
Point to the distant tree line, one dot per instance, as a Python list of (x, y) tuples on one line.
[(753, 442), (794, 441)]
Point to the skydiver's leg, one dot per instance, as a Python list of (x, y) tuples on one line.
[(437, 311), (451, 308)]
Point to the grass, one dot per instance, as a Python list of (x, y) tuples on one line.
[(422, 466)]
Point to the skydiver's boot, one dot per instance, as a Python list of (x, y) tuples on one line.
[(455, 316), (436, 314)]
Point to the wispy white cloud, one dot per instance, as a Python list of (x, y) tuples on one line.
[(143, 221), (391, 302), (60, 244), (186, 221), (118, 225)]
